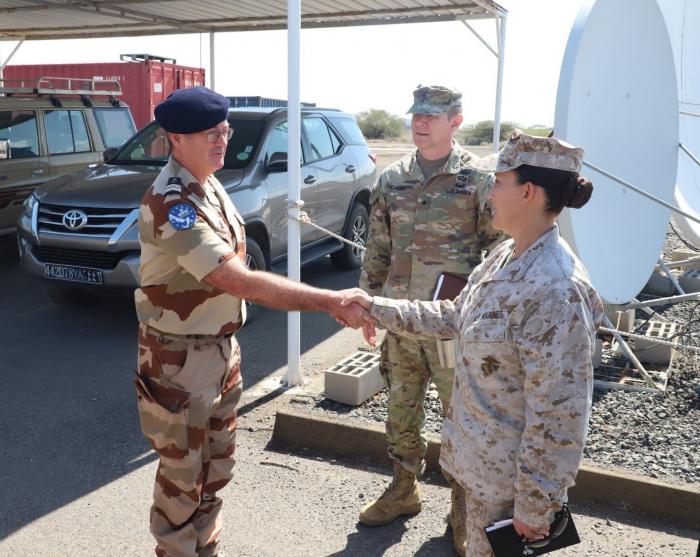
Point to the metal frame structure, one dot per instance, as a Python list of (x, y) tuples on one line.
[(74, 19), (22, 20)]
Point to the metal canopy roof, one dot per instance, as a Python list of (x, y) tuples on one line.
[(69, 19)]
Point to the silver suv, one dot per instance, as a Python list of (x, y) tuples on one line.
[(79, 232), (54, 127)]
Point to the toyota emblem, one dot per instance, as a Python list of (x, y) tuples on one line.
[(74, 219)]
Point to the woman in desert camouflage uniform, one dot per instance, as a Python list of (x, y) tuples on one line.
[(526, 324)]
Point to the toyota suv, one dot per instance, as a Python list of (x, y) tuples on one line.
[(80, 231), (51, 127)]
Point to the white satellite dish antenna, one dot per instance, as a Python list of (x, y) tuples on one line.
[(618, 98), (687, 192), (682, 20)]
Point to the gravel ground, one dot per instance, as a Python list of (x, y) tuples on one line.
[(640, 432)]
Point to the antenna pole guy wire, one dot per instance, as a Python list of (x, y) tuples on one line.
[(687, 152), (642, 192)]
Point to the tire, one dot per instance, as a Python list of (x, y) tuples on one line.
[(255, 260), (254, 257), (65, 297), (357, 230)]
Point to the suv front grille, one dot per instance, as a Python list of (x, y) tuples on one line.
[(101, 222), (79, 257)]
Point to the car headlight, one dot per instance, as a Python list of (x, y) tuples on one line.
[(28, 205)]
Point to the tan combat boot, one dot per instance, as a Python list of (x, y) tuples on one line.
[(400, 498), (458, 519)]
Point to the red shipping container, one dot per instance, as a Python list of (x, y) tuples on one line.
[(144, 83)]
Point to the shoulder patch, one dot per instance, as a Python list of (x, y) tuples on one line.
[(182, 216), (174, 185), (463, 174)]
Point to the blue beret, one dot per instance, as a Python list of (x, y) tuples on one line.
[(191, 110)]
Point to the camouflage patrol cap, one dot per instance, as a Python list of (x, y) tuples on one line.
[(435, 99), (545, 152)]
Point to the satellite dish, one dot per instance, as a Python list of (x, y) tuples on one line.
[(618, 98), (687, 192), (682, 20)]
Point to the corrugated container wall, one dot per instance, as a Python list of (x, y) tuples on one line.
[(267, 102), (144, 84)]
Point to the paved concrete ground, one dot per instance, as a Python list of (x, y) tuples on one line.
[(68, 419), (299, 504)]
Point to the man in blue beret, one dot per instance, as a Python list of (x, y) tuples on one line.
[(191, 302)]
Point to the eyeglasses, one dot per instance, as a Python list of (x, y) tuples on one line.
[(561, 520), (213, 136)]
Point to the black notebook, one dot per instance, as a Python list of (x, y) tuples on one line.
[(505, 541), (448, 287)]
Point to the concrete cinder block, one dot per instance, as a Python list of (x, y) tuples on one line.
[(354, 379), (685, 253), (650, 351), (621, 320), (690, 281)]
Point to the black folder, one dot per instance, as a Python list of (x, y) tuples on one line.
[(505, 541), (449, 286)]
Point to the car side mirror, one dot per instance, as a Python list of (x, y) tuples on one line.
[(4, 148), (277, 162), (109, 153)]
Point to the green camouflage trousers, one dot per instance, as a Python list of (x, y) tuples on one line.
[(187, 394), (408, 367)]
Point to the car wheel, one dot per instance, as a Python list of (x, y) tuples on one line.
[(68, 298), (350, 257), (255, 260)]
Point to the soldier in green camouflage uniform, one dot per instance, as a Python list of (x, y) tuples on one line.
[(429, 215), (193, 281)]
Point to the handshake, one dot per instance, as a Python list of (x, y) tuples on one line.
[(351, 308)]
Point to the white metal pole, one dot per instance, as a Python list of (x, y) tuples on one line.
[(212, 61), (631, 355), (499, 83), (693, 296), (487, 45), (671, 277), (6, 61), (293, 376)]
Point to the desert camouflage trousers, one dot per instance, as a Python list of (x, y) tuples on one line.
[(482, 513), (409, 366), (187, 394)]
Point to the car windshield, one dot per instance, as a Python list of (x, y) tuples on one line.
[(115, 124), (150, 145)]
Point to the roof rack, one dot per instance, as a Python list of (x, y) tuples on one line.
[(307, 109), (145, 58), (61, 86)]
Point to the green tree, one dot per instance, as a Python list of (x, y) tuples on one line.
[(482, 132), (379, 124)]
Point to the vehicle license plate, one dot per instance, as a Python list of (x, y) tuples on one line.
[(73, 274)]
